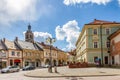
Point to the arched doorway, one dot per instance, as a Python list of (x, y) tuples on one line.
[(59, 62), (54, 63), (63, 62), (28, 62), (38, 63), (47, 62)]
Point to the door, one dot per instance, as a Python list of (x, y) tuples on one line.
[(106, 59)]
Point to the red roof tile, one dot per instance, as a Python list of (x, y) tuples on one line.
[(102, 22)]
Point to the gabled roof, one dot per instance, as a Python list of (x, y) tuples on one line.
[(101, 22), (114, 34), (10, 44), (2, 45), (46, 46), (36, 44), (73, 52), (26, 45)]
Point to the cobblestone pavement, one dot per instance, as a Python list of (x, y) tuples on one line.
[(78, 72), (20, 76)]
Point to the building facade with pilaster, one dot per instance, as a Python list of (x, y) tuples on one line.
[(93, 44)]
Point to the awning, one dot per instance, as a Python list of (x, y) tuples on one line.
[(17, 61)]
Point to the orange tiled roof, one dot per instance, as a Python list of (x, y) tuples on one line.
[(114, 34), (72, 52), (102, 22), (46, 46)]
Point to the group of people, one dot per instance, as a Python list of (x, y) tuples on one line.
[(98, 62)]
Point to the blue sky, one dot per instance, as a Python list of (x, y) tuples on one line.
[(61, 19)]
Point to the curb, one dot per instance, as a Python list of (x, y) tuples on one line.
[(70, 76)]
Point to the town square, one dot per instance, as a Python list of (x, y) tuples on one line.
[(59, 40)]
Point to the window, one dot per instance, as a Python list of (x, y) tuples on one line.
[(108, 44), (95, 32), (26, 54), (29, 54), (18, 53), (107, 31), (13, 53), (95, 45)]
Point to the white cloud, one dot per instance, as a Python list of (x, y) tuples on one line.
[(119, 2), (41, 36), (22, 10), (70, 32), (73, 2)]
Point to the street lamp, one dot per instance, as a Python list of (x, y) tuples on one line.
[(101, 44), (50, 41)]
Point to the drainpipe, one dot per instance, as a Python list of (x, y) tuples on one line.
[(101, 44)]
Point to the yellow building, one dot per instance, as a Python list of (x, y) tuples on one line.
[(59, 57)]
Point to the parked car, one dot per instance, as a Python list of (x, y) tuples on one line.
[(10, 69), (28, 68), (45, 66)]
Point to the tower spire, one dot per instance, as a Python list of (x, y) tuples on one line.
[(29, 37), (29, 27)]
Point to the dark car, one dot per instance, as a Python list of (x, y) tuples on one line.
[(28, 68)]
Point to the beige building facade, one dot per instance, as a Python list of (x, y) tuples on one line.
[(59, 57), (29, 52)]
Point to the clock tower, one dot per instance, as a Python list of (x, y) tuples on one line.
[(29, 36)]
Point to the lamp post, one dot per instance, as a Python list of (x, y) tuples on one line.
[(101, 44), (50, 41)]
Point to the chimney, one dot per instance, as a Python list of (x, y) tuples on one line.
[(16, 39), (42, 43), (4, 39)]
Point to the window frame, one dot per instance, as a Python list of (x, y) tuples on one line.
[(13, 53), (95, 45), (108, 43), (107, 31), (95, 33)]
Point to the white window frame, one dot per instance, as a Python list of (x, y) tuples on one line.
[(106, 31), (106, 44), (12, 53), (96, 30), (94, 44)]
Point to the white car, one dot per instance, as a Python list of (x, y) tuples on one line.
[(10, 69)]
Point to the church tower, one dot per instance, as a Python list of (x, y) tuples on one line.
[(29, 36)]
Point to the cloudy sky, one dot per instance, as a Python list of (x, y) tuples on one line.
[(60, 19)]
